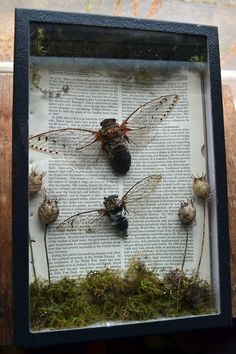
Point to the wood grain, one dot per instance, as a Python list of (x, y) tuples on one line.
[(230, 144), (6, 330)]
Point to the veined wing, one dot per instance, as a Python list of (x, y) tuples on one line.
[(142, 123), (82, 220), (58, 141), (142, 189)]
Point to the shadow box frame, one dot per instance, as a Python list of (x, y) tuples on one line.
[(23, 336)]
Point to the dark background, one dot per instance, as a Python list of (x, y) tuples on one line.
[(211, 341)]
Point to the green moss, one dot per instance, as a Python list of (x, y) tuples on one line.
[(39, 42), (107, 295)]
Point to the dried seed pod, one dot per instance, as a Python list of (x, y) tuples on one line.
[(201, 187), (48, 211), (35, 182), (65, 88), (187, 211)]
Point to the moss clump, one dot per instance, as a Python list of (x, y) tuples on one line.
[(195, 295), (107, 295)]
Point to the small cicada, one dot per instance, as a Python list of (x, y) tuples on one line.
[(113, 138), (115, 208)]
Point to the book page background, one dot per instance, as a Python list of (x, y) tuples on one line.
[(113, 89)]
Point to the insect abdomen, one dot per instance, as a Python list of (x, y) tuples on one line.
[(120, 222), (120, 159)]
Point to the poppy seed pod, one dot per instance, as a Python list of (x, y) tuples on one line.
[(201, 187), (48, 211), (35, 182), (187, 211)]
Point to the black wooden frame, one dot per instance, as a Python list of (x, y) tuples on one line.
[(22, 334)]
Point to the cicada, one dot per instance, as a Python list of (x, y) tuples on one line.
[(115, 208), (113, 138)]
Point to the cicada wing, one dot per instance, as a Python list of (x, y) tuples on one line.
[(142, 189), (63, 141), (82, 221), (141, 125)]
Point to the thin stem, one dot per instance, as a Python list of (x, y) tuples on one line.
[(46, 251), (32, 261), (203, 237), (51, 93), (182, 269), (185, 251)]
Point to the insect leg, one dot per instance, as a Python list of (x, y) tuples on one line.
[(99, 154), (130, 140), (82, 147)]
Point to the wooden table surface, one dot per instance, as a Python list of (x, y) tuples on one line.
[(6, 313)]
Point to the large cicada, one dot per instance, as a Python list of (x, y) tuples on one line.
[(112, 138), (115, 208)]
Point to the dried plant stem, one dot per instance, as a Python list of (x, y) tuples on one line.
[(203, 236), (182, 269), (47, 92), (50, 93), (46, 252), (32, 261)]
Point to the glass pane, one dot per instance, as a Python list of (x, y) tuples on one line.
[(119, 125)]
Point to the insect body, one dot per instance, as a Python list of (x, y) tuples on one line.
[(114, 143), (115, 208), (113, 138), (117, 213)]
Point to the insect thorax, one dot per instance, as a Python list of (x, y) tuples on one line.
[(108, 122), (110, 129), (111, 203)]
